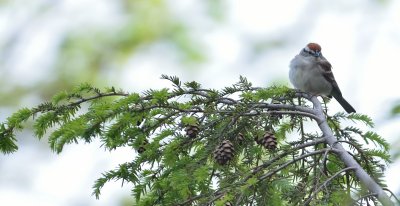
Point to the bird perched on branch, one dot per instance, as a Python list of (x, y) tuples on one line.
[(311, 72)]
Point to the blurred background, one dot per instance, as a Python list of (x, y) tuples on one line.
[(51, 45)]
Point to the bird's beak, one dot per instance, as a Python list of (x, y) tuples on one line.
[(317, 54)]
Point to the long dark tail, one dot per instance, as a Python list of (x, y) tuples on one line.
[(344, 103)]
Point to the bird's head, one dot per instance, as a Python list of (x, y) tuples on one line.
[(312, 49)]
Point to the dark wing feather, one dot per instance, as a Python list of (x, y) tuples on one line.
[(336, 93), (327, 73)]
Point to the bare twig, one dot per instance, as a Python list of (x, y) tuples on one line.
[(392, 195), (365, 197), (307, 202), (268, 163), (347, 159), (272, 172), (261, 167)]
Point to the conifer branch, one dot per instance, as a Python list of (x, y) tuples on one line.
[(279, 156), (307, 202), (347, 159), (272, 172), (189, 137)]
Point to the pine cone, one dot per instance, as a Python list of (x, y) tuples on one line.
[(268, 141), (142, 148), (240, 138), (224, 152), (192, 131)]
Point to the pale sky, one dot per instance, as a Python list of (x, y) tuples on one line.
[(361, 40)]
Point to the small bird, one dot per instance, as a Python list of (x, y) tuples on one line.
[(311, 72)]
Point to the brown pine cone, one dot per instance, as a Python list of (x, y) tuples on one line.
[(142, 148), (224, 152), (192, 131), (240, 138), (268, 141)]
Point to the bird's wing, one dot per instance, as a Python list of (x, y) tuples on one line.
[(326, 68)]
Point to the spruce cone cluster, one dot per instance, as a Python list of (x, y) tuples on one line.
[(268, 141), (192, 131), (224, 152), (142, 148)]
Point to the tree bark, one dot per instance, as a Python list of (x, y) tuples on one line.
[(347, 159)]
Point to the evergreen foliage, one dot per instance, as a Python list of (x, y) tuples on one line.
[(173, 168)]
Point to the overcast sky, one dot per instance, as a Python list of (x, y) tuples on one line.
[(361, 39)]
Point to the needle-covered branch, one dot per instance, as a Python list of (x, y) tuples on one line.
[(347, 159), (240, 144), (307, 202)]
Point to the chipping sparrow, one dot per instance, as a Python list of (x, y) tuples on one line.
[(311, 72)]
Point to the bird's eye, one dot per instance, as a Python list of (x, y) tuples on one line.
[(308, 51)]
